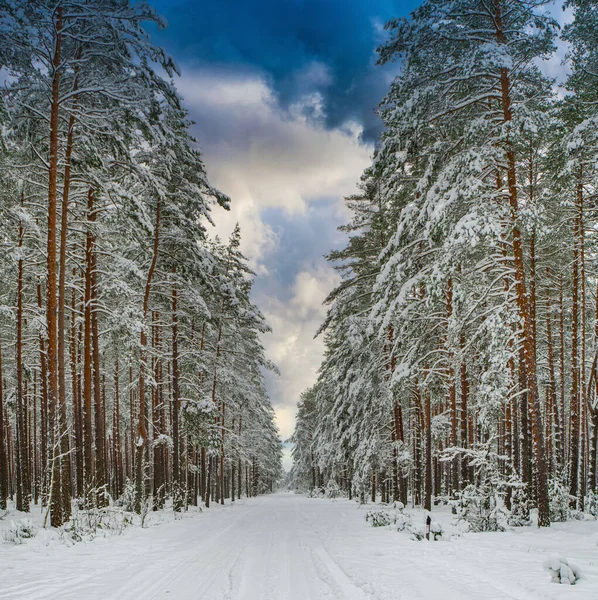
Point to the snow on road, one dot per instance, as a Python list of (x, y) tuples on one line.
[(287, 547)]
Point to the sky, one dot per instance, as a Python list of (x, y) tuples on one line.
[(283, 95)]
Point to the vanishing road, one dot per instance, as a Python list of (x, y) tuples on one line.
[(279, 547)]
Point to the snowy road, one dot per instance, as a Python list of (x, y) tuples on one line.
[(286, 547)]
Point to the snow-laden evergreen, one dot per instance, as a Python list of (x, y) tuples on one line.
[(132, 360), (460, 344)]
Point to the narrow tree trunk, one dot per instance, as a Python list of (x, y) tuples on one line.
[(522, 297), (99, 412), (141, 442), (63, 430), (565, 439), (87, 355), (464, 383), (22, 503), (452, 394), (3, 448), (222, 453), (575, 406), (56, 518), (76, 390), (583, 412), (428, 444), (176, 476), (118, 477), (551, 391), (203, 474), (232, 468)]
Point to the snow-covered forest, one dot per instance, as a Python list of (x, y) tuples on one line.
[(462, 360), (448, 444), (132, 366)]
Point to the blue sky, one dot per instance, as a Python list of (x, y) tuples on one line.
[(283, 94)]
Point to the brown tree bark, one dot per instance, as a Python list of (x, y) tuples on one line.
[(176, 396), (222, 429), (3, 448), (118, 477), (22, 502), (56, 518), (61, 331), (583, 406), (521, 291), (575, 401), (551, 388), (203, 489), (565, 439), (76, 399), (454, 474), (141, 442), (464, 384), (88, 453), (158, 418), (428, 444), (99, 412)]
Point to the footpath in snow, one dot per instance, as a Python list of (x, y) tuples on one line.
[(288, 547)]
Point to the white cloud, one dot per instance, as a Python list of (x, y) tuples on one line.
[(291, 345), (264, 157)]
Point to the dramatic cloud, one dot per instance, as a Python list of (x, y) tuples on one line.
[(267, 159), (285, 39)]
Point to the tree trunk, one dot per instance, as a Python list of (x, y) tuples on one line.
[(87, 355), (575, 405), (521, 291), (464, 383), (3, 448), (63, 429), (118, 479), (22, 502), (141, 442), (176, 444), (428, 443), (99, 412), (565, 439), (222, 453), (551, 391), (76, 390), (56, 518)]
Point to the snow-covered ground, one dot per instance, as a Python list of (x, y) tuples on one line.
[(287, 547)]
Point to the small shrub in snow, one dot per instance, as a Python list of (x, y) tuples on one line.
[(316, 492), (87, 524), (520, 509), (19, 531), (333, 490), (477, 506), (417, 533), (379, 518), (481, 505), (402, 521), (559, 500), (561, 570), (436, 530), (393, 515), (127, 498)]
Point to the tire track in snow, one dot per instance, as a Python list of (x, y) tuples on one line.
[(219, 558)]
